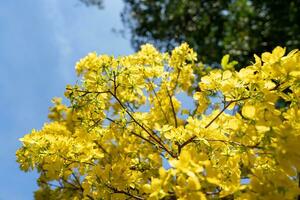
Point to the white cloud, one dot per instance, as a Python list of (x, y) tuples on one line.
[(56, 19), (78, 30)]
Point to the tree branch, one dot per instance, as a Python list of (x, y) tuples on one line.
[(193, 137), (142, 127), (115, 190), (158, 100), (173, 108), (132, 132)]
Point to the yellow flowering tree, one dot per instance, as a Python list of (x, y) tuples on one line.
[(163, 126)]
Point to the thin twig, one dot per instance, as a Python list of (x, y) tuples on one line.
[(193, 137), (173, 108), (158, 100), (225, 107), (87, 91), (132, 132), (115, 190), (141, 126), (77, 181), (153, 136), (233, 143)]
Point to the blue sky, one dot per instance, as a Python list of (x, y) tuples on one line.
[(40, 42)]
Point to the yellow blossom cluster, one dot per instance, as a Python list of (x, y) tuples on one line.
[(157, 125)]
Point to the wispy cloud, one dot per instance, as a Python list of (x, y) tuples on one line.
[(56, 19)]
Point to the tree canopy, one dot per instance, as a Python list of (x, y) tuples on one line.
[(214, 28), (98, 3), (143, 127)]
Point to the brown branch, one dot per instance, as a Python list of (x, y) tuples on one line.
[(132, 132), (173, 108), (58, 186), (193, 137), (78, 182), (233, 143), (96, 123), (143, 138), (142, 127), (90, 197), (87, 91), (101, 147), (73, 185), (225, 107), (195, 110), (170, 98), (128, 194), (54, 185), (76, 161), (115, 190), (159, 102), (115, 81), (153, 136), (81, 188)]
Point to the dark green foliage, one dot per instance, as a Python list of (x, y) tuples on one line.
[(214, 28), (98, 3)]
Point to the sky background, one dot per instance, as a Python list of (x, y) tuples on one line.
[(40, 42)]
